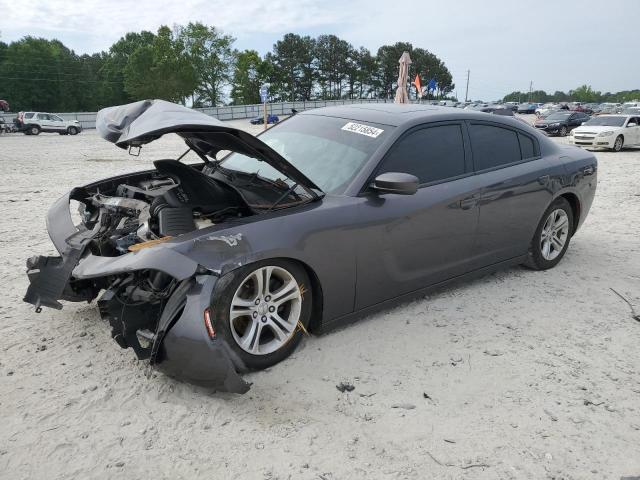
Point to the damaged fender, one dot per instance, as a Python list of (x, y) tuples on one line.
[(182, 347)]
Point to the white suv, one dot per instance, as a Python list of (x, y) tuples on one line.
[(35, 122)]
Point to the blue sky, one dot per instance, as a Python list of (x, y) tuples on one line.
[(505, 43)]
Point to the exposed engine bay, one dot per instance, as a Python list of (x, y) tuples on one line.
[(143, 210), (174, 200)]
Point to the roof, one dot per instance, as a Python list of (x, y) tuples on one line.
[(399, 115)]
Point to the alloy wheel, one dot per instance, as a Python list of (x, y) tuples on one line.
[(554, 235), (617, 146), (265, 310)]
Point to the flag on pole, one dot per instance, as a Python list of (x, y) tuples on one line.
[(418, 85)]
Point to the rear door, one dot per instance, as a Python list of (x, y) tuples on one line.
[(516, 190), (413, 241)]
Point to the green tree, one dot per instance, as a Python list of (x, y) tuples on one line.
[(291, 66), (585, 93), (387, 75), (429, 66), (111, 89), (213, 58), (160, 70), (248, 76), (333, 57), (40, 74)]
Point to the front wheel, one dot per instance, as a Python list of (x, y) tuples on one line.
[(563, 131), (617, 146), (72, 131), (262, 311), (551, 239)]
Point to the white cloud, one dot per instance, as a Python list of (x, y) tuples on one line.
[(101, 23)]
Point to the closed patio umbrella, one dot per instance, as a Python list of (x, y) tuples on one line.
[(401, 92)]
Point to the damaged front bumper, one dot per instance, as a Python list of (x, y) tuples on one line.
[(180, 344)]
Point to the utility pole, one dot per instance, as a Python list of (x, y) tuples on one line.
[(466, 93), (530, 89)]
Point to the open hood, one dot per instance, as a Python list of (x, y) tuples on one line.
[(135, 124)]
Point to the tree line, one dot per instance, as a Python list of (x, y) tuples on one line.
[(584, 94), (197, 64)]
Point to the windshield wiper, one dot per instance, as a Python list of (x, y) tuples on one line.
[(283, 196)]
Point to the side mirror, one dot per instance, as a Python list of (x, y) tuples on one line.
[(398, 183)]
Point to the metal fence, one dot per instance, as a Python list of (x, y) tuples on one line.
[(235, 112)]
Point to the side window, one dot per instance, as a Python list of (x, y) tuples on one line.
[(431, 154), (527, 147), (42, 116), (493, 146), (56, 118)]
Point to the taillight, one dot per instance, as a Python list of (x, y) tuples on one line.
[(207, 323)]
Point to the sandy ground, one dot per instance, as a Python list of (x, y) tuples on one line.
[(521, 374)]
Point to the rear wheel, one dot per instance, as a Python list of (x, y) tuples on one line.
[(262, 311), (551, 239), (34, 130), (617, 146)]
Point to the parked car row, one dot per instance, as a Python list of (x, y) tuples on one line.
[(589, 108)]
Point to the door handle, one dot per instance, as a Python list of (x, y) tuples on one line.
[(544, 179), (469, 202)]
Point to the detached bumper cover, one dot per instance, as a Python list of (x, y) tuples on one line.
[(49, 276), (182, 347)]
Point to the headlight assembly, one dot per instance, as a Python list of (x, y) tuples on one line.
[(605, 134)]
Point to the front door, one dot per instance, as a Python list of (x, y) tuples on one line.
[(57, 123), (413, 241)]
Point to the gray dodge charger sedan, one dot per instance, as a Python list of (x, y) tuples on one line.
[(211, 269)]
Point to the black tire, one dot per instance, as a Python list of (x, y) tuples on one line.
[(72, 131), (618, 144), (536, 260), (563, 131), (221, 304), (34, 130)]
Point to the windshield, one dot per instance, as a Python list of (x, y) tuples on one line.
[(607, 121), (558, 116), (329, 151)]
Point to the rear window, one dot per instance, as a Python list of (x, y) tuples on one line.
[(527, 146), (493, 146)]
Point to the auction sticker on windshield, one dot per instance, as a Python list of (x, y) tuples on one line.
[(372, 132)]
